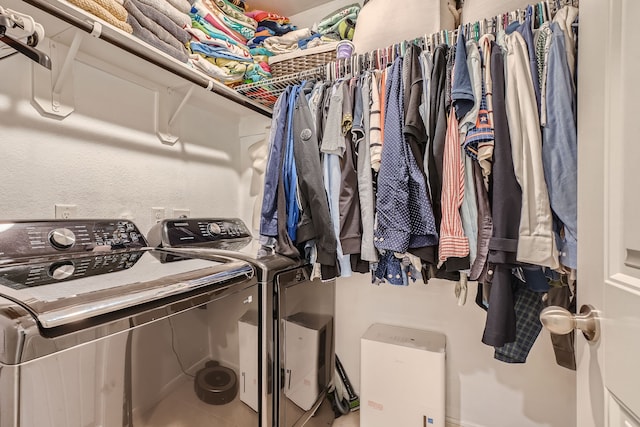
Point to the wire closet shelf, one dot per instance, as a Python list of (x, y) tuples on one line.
[(266, 92)]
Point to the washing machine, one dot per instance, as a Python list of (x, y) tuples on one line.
[(294, 328), (98, 329)]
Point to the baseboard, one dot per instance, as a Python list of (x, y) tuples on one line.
[(452, 422)]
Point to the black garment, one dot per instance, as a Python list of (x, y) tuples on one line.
[(438, 128), (349, 200), (437, 124), (315, 220), (505, 193), (485, 226), (563, 345), (284, 245), (414, 130), (500, 327), (506, 198)]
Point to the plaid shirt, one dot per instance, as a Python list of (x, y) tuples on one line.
[(528, 305)]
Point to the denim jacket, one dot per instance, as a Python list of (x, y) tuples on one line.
[(559, 148)]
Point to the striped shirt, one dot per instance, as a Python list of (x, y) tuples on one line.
[(375, 123), (453, 243)]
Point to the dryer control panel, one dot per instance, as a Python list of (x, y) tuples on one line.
[(21, 239), (220, 233)]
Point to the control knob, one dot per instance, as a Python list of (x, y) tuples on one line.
[(60, 271), (62, 238), (214, 229)]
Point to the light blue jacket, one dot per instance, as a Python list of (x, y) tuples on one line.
[(559, 148)]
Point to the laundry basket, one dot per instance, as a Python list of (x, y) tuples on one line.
[(301, 60)]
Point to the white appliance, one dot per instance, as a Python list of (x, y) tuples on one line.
[(308, 357), (402, 378), (248, 342)]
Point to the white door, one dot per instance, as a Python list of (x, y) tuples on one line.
[(609, 211)]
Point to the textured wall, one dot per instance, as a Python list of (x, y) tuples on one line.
[(475, 10), (105, 157)]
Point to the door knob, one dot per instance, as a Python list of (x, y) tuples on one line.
[(560, 321)]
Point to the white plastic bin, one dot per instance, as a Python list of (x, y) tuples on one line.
[(402, 381)]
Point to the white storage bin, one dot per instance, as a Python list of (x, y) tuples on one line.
[(402, 377)]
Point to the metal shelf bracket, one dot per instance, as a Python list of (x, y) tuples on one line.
[(52, 94), (165, 118)]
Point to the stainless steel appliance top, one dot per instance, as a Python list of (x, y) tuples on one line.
[(60, 277)]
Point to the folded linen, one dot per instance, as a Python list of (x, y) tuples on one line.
[(342, 27), (213, 70), (181, 34), (198, 8), (242, 28), (265, 29), (202, 24), (336, 16), (148, 37), (278, 29), (216, 52), (182, 19), (200, 36), (239, 3), (182, 5), (96, 8), (154, 28), (256, 51), (233, 12), (288, 42), (261, 15), (257, 41), (256, 73)]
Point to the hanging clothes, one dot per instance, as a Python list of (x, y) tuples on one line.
[(405, 218), (450, 162)]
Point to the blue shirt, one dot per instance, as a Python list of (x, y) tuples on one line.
[(289, 171), (560, 148), (461, 88), (269, 212), (404, 214), (527, 35)]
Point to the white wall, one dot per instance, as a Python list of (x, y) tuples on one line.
[(474, 10), (481, 391), (105, 157)]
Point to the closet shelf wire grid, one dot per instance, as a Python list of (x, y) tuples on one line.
[(266, 92)]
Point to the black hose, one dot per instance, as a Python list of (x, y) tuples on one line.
[(345, 380)]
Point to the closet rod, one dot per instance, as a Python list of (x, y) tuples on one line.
[(142, 52), (382, 57)]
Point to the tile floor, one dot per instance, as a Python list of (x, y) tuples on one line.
[(350, 420)]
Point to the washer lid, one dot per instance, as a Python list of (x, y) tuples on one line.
[(68, 290)]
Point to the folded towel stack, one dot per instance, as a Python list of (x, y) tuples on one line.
[(109, 11), (161, 24), (219, 35)]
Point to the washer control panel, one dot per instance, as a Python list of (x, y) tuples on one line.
[(221, 233), (29, 275), (22, 239)]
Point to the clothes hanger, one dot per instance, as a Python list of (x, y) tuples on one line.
[(9, 21)]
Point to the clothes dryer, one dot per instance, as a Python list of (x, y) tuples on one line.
[(96, 328), (287, 294)]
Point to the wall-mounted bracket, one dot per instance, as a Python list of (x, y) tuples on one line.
[(166, 117), (52, 94)]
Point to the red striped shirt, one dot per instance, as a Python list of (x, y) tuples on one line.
[(453, 242)]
